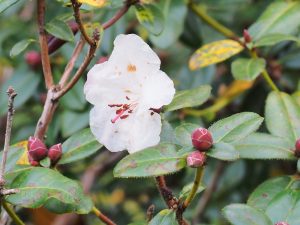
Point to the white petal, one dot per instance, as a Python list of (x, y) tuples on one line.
[(158, 90), (107, 133), (144, 131), (132, 54)]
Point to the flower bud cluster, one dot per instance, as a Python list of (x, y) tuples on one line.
[(202, 141), (38, 151)]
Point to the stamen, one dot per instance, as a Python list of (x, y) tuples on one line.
[(127, 98), (123, 117)]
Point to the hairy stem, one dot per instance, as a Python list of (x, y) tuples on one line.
[(10, 112), (165, 192), (102, 217), (12, 214)]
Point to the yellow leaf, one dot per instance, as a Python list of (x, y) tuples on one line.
[(235, 88), (214, 52), (96, 3), (23, 160)]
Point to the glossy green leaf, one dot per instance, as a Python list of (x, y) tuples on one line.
[(285, 207), (223, 151), (25, 83), (60, 30), (45, 187), (264, 146), (247, 69), (154, 161), (5, 4), (283, 116), (183, 133), (14, 154), (45, 162), (73, 122), (279, 17), (273, 39), (264, 193), (189, 98), (167, 134), (240, 214), (164, 217), (213, 53), (150, 17), (174, 13), (20, 47), (235, 127), (79, 146), (187, 189)]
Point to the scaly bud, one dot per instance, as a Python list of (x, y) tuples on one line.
[(196, 159), (55, 153), (281, 223), (297, 148), (202, 139), (247, 37), (36, 149)]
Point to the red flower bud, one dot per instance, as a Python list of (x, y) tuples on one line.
[(33, 162), (297, 148), (36, 149), (202, 139), (33, 59), (196, 159), (281, 223), (55, 153), (247, 37)]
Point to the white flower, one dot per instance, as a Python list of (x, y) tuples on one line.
[(125, 92)]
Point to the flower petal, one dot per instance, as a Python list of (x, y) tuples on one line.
[(158, 90), (132, 55)]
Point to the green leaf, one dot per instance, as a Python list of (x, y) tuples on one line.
[(247, 69), (60, 30), (273, 39), (260, 198), (283, 116), (150, 17), (20, 47), (167, 134), (240, 214), (280, 17), (174, 13), (264, 146), (235, 127), (187, 189), (189, 98), (45, 162), (285, 207), (79, 146), (5, 4), (25, 83), (213, 53), (45, 187), (183, 133), (154, 161), (164, 217), (73, 122), (223, 151)]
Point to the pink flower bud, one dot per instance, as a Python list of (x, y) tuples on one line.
[(247, 36), (36, 149), (196, 159), (55, 153), (202, 139), (281, 223), (33, 59), (33, 162), (297, 148)]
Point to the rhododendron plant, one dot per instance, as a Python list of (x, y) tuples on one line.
[(126, 92)]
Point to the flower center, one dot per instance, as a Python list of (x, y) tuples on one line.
[(122, 110)]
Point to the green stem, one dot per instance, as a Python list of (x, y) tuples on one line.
[(197, 182), (200, 11), (12, 213)]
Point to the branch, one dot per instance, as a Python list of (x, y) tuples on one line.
[(102, 217), (43, 44), (170, 200), (71, 63), (11, 95)]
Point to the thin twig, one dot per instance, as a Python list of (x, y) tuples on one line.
[(102, 217), (12, 214), (71, 63), (166, 193), (208, 192), (76, 8), (43, 44), (10, 112), (150, 212)]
